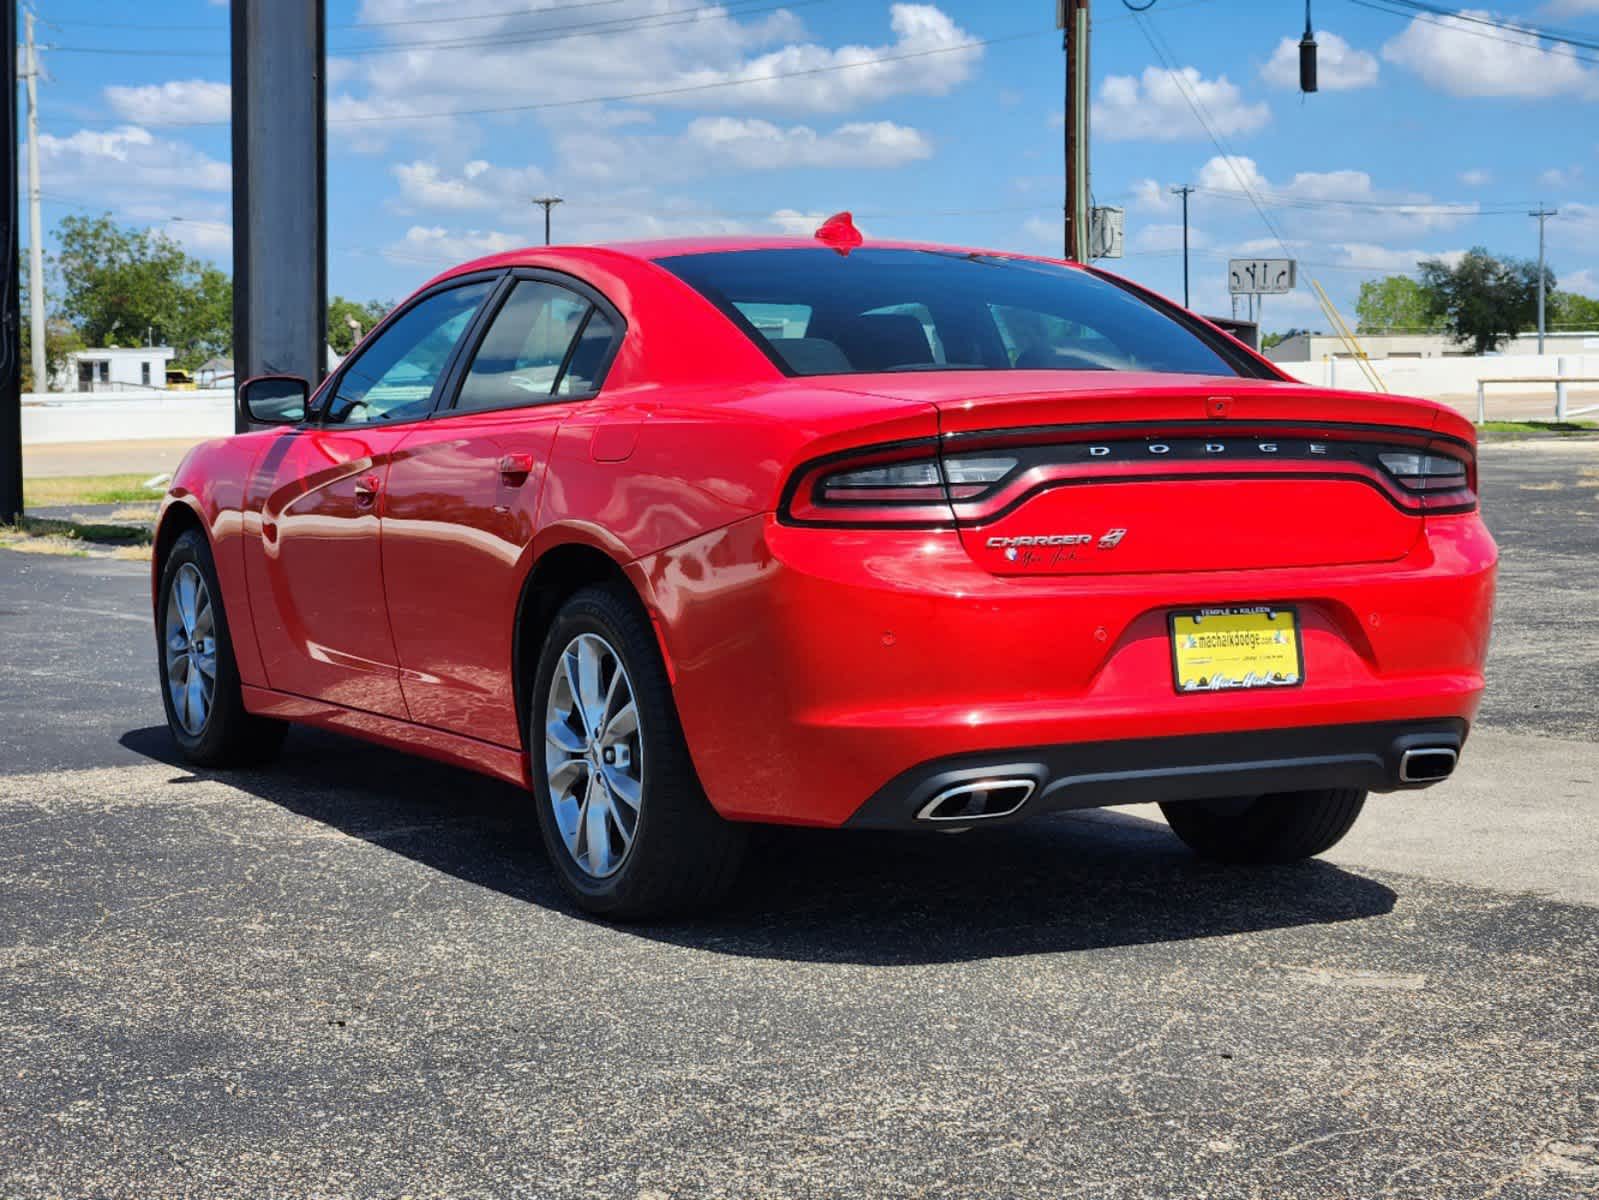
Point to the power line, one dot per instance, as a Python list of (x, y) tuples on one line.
[(550, 33), (1418, 7), (1526, 40), (652, 94)]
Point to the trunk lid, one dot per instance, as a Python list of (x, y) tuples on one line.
[(1122, 473)]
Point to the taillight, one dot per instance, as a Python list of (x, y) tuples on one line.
[(1449, 483), (885, 487)]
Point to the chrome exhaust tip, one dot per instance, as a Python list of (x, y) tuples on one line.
[(977, 800), (1427, 764)]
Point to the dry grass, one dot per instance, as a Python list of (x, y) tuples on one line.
[(86, 489), (1554, 485), (34, 535)]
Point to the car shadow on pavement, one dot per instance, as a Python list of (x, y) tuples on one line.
[(1074, 881)]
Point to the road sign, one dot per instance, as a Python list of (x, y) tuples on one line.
[(1260, 276)]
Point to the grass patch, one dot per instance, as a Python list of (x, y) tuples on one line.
[(36, 535), (86, 489), (1539, 426)]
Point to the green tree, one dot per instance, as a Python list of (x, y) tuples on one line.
[(120, 286), (1483, 300), (60, 340), (1396, 304), (1569, 310), (341, 312)]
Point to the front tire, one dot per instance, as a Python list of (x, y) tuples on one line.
[(620, 807), (1281, 828), (199, 677)]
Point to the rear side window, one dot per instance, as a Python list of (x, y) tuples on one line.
[(545, 341), (816, 312)]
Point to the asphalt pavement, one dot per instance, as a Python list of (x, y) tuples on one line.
[(353, 975)]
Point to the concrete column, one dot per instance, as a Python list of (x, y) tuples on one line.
[(279, 189)]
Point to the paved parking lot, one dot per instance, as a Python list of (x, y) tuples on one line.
[(353, 975)]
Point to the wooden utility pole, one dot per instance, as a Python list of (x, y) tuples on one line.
[(1072, 18)]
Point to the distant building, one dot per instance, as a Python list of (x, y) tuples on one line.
[(114, 369), (215, 373), (1313, 347)]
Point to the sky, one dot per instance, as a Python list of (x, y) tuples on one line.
[(931, 121)]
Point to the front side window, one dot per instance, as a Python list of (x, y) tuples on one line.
[(393, 379), (546, 340), (816, 312)]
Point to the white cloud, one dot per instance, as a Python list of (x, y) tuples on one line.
[(176, 101), (128, 162), (506, 62), (1388, 259), (1465, 58), (1571, 8), (1585, 282), (436, 244), (1560, 177), (1155, 108), (479, 185), (1344, 201), (1477, 177), (1149, 196), (756, 144), (1153, 239), (918, 29), (1339, 66)]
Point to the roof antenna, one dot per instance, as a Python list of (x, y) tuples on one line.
[(839, 233)]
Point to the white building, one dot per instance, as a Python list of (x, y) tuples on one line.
[(1314, 347), (114, 369)]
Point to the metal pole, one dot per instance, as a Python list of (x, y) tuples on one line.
[(548, 202), (41, 382), (1183, 192), (280, 233), (1542, 214), (10, 322)]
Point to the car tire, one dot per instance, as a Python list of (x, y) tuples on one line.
[(1281, 828), (670, 854), (206, 715)]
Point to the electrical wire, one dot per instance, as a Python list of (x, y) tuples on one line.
[(1526, 41)]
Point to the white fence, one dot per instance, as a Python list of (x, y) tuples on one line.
[(1437, 377), (56, 417)]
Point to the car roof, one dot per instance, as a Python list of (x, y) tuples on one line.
[(650, 250)]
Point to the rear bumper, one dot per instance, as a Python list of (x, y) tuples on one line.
[(813, 668), (1000, 786)]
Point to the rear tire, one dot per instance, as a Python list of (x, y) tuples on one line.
[(1281, 828), (620, 807), (205, 709)]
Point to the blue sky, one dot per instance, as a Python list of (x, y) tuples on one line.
[(1429, 136)]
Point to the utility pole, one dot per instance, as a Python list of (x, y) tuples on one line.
[(1543, 214), (35, 248), (1071, 16), (10, 368), (548, 202), (1183, 192)]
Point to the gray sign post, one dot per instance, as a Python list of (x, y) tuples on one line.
[(279, 190)]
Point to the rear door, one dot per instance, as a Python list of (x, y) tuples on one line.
[(315, 569), (462, 499)]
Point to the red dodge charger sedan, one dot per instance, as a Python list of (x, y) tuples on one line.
[(684, 536)]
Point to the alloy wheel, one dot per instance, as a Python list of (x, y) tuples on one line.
[(593, 755), (191, 649)]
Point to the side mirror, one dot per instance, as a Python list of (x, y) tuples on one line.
[(274, 400)]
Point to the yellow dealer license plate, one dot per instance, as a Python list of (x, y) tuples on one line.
[(1228, 649)]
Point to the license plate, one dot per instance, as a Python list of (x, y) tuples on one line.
[(1237, 648)]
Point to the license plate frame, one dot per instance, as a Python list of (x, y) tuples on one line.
[(1238, 619)]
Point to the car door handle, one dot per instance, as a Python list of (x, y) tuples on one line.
[(515, 468), (366, 490)]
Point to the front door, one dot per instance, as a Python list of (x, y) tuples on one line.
[(316, 503), (462, 504)]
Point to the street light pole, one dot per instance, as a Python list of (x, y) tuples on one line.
[(1183, 192), (548, 202), (1543, 214)]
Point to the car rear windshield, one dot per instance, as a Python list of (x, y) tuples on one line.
[(817, 312)]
